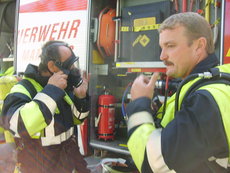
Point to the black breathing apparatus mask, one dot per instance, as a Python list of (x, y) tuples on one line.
[(74, 75)]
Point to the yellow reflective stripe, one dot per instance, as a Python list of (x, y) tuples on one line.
[(221, 94), (20, 89), (76, 121), (36, 85), (1, 130), (68, 99), (8, 137), (137, 143), (169, 112), (139, 28), (39, 88), (32, 117), (36, 136)]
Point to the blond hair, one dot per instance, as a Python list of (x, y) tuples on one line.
[(195, 27)]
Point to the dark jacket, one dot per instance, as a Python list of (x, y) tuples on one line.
[(194, 135), (43, 124)]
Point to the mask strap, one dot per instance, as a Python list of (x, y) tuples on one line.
[(69, 62), (59, 65)]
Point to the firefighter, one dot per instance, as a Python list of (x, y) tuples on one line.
[(42, 109), (194, 130)]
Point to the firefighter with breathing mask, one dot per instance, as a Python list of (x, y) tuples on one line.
[(42, 110)]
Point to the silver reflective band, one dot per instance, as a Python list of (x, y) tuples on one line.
[(77, 114), (155, 158), (83, 115), (139, 118), (47, 100), (14, 122), (51, 140), (223, 162), (49, 130)]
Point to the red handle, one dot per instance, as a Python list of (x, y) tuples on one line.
[(184, 5)]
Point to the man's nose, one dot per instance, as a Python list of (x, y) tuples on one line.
[(163, 55)]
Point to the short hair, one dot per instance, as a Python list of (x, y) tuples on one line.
[(50, 52), (195, 27)]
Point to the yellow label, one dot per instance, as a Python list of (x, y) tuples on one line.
[(121, 75), (124, 63), (129, 63), (125, 29), (146, 28), (139, 28), (228, 53), (144, 21), (118, 64), (135, 70)]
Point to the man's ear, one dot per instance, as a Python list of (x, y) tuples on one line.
[(201, 44), (51, 66), (200, 48)]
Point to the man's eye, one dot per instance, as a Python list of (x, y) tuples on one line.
[(170, 45)]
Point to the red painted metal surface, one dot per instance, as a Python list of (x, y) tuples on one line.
[(54, 5), (226, 33)]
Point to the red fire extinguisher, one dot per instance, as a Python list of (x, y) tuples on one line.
[(106, 116)]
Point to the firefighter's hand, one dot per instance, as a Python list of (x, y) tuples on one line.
[(143, 86), (81, 91), (59, 80)]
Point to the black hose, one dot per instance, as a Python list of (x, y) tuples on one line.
[(185, 81), (221, 77)]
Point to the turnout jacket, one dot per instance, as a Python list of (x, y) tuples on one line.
[(194, 139), (41, 111)]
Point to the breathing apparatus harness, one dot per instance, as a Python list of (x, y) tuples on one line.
[(212, 76)]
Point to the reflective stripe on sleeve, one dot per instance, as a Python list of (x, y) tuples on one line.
[(139, 118), (83, 115), (47, 100), (52, 140), (33, 118), (14, 122), (137, 143), (49, 130), (155, 158), (77, 114)]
